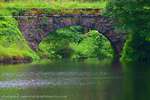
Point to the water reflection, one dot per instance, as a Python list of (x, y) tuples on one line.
[(74, 81), (136, 82)]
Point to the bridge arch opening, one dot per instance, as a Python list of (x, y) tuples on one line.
[(77, 43), (35, 28)]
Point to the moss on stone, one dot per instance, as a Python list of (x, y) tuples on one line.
[(12, 42)]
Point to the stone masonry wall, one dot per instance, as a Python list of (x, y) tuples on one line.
[(36, 27)]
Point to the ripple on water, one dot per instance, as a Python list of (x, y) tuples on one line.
[(40, 79)]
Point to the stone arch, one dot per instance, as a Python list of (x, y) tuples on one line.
[(35, 28)]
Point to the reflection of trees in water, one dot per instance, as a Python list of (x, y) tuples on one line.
[(136, 83), (106, 87)]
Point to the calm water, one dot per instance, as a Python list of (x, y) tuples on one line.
[(73, 81)]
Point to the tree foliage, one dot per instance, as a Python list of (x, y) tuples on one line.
[(133, 17), (72, 43)]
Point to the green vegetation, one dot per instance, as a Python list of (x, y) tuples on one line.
[(55, 42), (65, 43), (133, 17), (73, 43), (12, 43), (53, 5), (16, 7), (93, 45)]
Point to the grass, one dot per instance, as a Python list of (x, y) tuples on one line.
[(52, 4), (14, 52), (12, 42), (16, 7)]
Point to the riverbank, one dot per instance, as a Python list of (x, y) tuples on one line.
[(13, 46), (15, 60)]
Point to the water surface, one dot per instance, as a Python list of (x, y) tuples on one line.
[(73, 81)]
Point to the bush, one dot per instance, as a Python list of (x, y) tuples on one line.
[(133, 17), (57, 43), (93, 45), (72, 43), (136, 50), (12, 43)]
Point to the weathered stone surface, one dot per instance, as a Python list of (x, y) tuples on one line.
[(36, 27)]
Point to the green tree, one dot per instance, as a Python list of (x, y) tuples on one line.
[(133, 17)]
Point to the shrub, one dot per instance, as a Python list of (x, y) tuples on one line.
[(12, 42), (133, 17), (72, 43)]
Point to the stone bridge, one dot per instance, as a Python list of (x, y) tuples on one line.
[(37, 26)]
